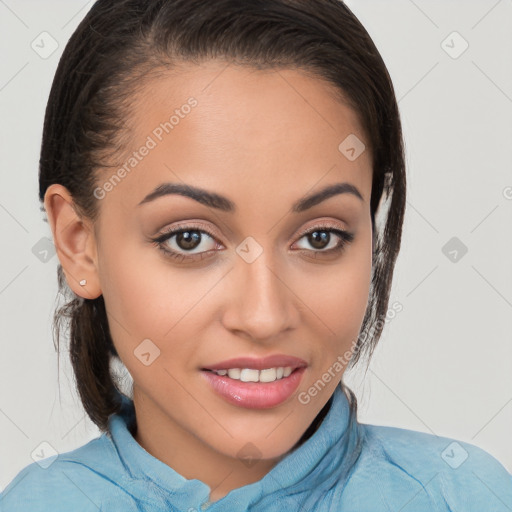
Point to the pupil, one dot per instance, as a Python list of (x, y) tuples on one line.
[(186, 240), (319, 239)]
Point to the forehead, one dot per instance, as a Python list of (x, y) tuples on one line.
[(222, 126)]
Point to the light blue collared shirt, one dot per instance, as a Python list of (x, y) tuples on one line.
[(344, 466)]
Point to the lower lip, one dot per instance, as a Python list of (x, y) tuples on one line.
[(254, 395)]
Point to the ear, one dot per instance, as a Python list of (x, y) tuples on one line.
[(74, 240)]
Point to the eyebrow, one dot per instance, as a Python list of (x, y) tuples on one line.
[(219, 202)]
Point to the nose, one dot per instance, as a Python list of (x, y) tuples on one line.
[(260, 304)]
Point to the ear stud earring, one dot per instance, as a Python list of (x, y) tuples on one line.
[(83, 282)]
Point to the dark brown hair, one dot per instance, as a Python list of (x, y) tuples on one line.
[(121, 44)]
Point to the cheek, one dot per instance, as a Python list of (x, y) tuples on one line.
[(143, 291), (139, 301), (130, 286), (337, 295), (149, 299)]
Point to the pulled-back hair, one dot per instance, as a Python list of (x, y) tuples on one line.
[(122, 44)]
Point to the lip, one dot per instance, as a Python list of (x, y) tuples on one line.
[(254, 395), (262, 363)]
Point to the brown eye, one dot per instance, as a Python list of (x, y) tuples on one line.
[(186, 240), (321, 239)]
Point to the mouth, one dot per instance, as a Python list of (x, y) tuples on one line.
[(275, 361), (256, 383), (253, 375)]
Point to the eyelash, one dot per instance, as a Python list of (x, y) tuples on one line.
[(345, 239)]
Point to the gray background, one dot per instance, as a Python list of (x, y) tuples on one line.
[(444, 362)]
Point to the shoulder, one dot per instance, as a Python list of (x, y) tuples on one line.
[(458, 474), (80, 479)]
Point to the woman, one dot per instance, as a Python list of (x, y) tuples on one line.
[(225, 184)]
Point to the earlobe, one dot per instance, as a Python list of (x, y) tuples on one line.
[(74, 240)]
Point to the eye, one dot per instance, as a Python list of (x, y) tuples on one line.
[(184, 243), (323, 242), (186, 239)]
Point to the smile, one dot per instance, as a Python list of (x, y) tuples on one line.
[(252, 375), (254, 392)]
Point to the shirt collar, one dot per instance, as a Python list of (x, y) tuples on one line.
[(320, 461)]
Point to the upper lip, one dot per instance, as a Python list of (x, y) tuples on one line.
[(272, 361)]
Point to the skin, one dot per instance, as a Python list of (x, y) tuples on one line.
[(264, 139)]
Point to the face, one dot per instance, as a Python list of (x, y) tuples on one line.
[(248, 275)]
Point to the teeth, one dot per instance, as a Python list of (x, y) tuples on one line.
[(248, 375), (252, 375), (234, 373), (268, 375)]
